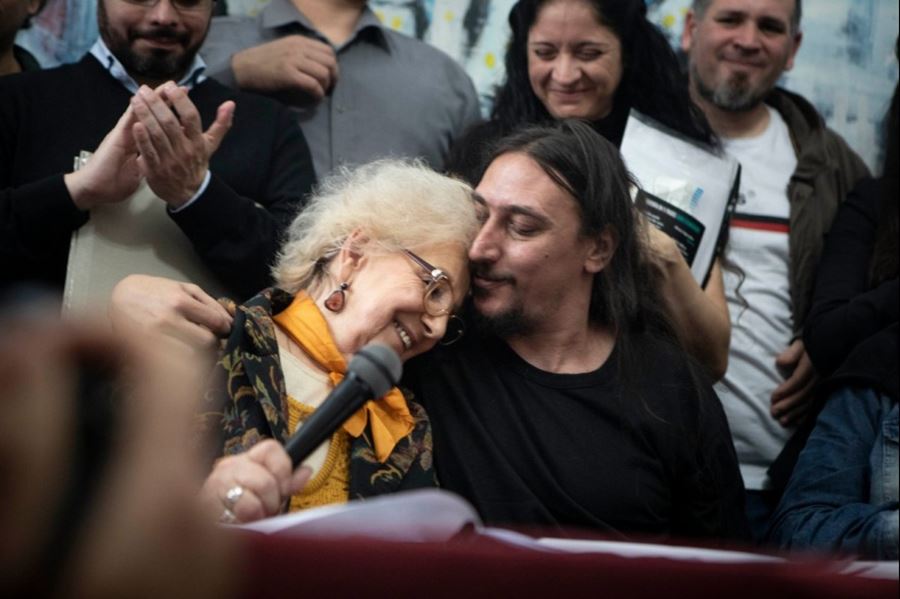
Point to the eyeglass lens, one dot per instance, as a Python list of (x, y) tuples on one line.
[(438, 298)]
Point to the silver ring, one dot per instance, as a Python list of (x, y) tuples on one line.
[(227, 517), (232, 496)]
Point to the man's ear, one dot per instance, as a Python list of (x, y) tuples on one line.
[(601, 250), (687, 32), (352, 256), (797, 40)]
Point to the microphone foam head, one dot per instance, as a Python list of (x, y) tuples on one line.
[(378, 366)]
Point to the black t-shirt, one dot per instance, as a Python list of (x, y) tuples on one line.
[(529, 447)]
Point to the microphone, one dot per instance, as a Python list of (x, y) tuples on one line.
[(371, 373)]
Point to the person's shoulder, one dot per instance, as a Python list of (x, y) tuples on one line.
[(251, 106), (25, 59), (812, 134), (425, 55), (253, 324), (794, 108), (41, 78), (40, 90), (671, 366), (653, 346), (223, 25)]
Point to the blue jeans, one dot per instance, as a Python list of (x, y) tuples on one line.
[(843, 493)]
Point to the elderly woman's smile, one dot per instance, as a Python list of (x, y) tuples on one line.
[(386, 300)]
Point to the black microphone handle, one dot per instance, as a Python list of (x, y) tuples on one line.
[(350, 395)]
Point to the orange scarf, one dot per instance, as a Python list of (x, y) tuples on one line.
[(388, 417)]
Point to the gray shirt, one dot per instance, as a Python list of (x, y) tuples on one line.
[(395, 96)]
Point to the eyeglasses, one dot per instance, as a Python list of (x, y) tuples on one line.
[(180, 5), (438, 298)]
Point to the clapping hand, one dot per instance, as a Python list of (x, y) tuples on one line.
[(174, 150)]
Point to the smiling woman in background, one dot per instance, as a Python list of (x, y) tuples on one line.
[(588, 59)]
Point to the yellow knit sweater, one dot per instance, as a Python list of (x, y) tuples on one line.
[(331, 483)]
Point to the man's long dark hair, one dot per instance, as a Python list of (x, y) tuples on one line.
[(625, 296), (652, 81)]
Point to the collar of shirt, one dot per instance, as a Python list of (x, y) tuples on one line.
[(283, 14), (195, 74)]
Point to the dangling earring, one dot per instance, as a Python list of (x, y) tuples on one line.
[(335, 301)]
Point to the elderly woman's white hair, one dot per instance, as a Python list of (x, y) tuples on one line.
[(395, 204)]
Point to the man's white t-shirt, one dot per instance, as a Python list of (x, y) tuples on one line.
[(762, 327)]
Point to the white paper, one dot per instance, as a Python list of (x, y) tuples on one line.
[(687, 175), (427, 515)]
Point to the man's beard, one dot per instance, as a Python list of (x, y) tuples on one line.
[(158, 64), (736, 94), (509, 323)]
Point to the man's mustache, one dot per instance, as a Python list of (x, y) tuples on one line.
[(484, 271), (166, 34)]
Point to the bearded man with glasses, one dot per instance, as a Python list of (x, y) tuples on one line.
[(141, 102)]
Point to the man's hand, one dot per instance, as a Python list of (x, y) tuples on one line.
[(174, 149), (142, 305), (111, 174), (792, 398), (301, 68)]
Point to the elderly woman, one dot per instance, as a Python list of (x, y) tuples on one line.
[(596, 60), (378, 255)]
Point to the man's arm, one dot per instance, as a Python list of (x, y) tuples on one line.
[(236, 236), (700, 315), (294, 68), (40, 215), (827, 504), (845, 310), (34, 219)]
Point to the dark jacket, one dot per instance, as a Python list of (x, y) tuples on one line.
[(846, 308), (827, 169)]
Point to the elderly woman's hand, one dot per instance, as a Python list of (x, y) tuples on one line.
[(252, 485)]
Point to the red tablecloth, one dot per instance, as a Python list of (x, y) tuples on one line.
[(474, 566)]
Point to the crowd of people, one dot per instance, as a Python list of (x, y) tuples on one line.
[(563, 366)]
